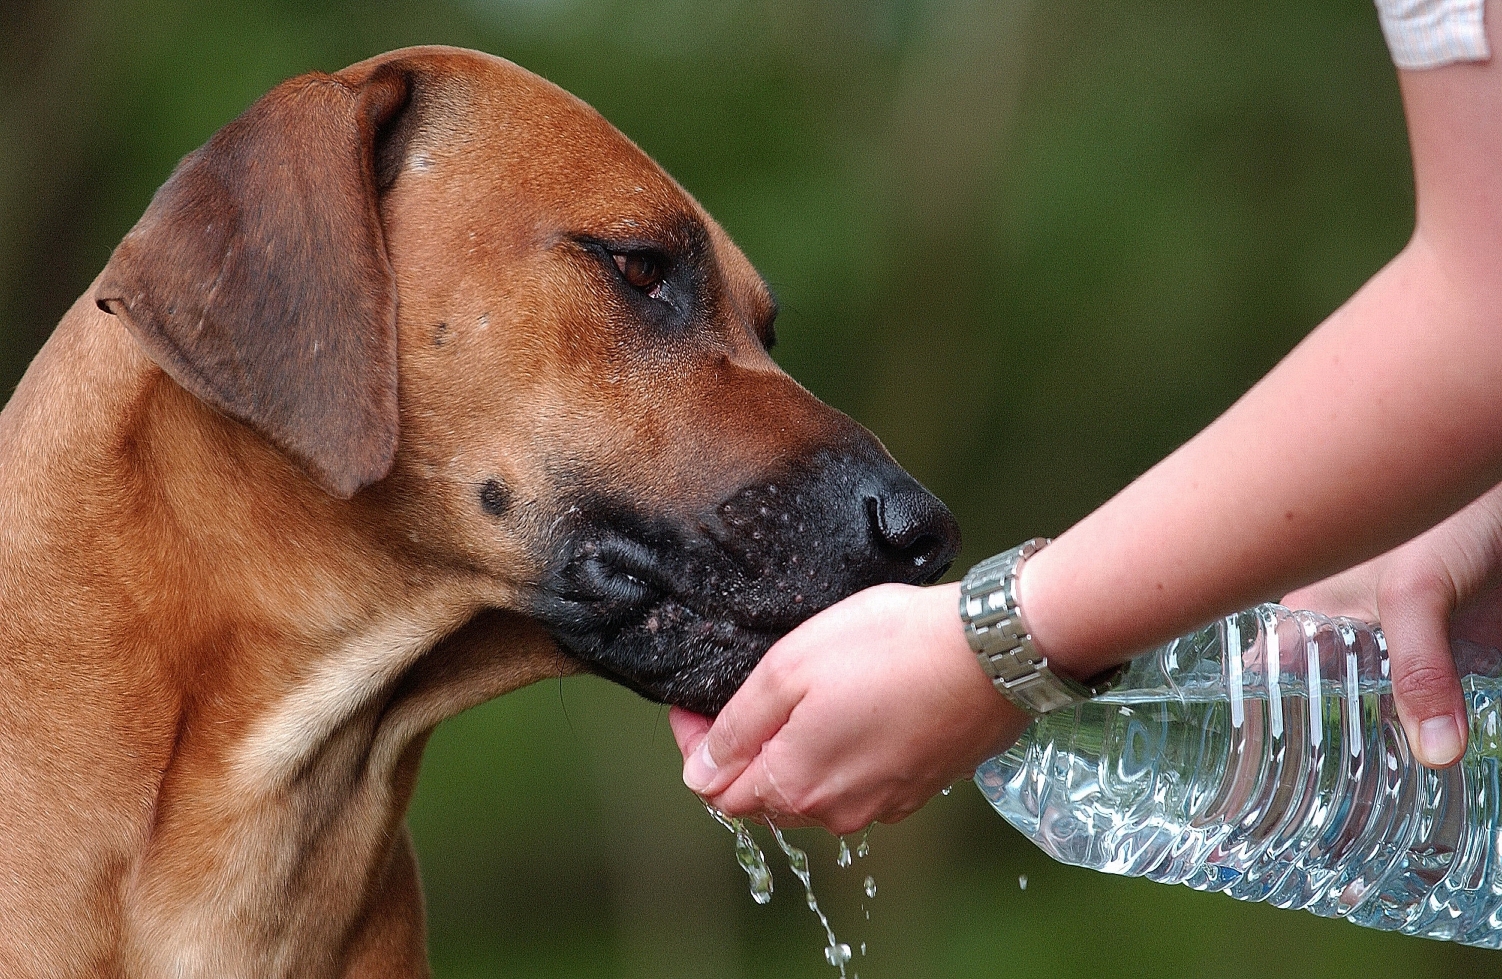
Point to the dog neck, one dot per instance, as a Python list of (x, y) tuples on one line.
[(236, 672)]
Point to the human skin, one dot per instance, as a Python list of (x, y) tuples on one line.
[(1361, 450)]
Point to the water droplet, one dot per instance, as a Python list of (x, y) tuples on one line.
[(946, 790), (1022, 881), (798, 862), (748, 855), (754, 863)]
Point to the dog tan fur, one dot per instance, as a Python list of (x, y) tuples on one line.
[(284, 489)]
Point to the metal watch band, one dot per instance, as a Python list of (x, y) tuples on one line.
[(1002, 642)]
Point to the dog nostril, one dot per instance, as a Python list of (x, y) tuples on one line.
[(917, 530)]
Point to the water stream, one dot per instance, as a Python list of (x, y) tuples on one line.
[(751, 859)]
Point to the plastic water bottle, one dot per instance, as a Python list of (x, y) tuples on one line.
[(1262, 757)]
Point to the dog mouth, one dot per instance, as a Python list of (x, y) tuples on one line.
[(681, 609), (669, 617)]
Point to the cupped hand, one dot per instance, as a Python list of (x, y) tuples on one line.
[(861, 714), (1442, 585)]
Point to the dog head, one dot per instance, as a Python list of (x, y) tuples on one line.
[(453, 295)]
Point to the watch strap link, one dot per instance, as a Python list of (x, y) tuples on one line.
[(1003, 644)]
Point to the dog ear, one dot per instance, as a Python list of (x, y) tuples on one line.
[(258, 277)]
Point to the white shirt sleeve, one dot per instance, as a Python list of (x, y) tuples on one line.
[(1430, 33)]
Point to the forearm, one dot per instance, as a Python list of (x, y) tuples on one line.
[(1386, 419), (1382, 422)]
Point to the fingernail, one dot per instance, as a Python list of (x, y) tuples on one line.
[(1439, 741), (699, 770)]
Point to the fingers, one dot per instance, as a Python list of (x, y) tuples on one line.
[(828, 805), (756, 712), (779, 682), (756, 790), (1435, 574), (860, 714), (1445, 579), (688, 729), (1415, 620), (1431, 705), (1413, 601)]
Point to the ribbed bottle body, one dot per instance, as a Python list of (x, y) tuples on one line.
[(1262, 757)]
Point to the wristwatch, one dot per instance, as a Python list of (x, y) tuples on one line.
[(1004, 645)]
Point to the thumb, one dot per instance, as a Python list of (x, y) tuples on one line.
[(1437, 572), (757, 712), (688, 729), (1425, 686)]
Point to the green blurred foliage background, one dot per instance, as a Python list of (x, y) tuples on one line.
[(1079, 229)]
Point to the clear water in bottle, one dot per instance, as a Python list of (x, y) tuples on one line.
[(1262, 757)]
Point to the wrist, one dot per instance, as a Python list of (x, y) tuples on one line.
[(973, 694), (1036, 596), (999, 632)]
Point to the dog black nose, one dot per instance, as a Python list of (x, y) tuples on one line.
[(912, 529), (829, 525)]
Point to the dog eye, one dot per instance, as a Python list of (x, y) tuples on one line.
[(642, 269)]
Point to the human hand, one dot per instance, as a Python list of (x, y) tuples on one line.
[(859, 715), (1442, 585)]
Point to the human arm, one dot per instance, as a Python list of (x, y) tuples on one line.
[(1385, 420)]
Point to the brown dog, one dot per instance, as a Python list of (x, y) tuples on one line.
[(415, 384)]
